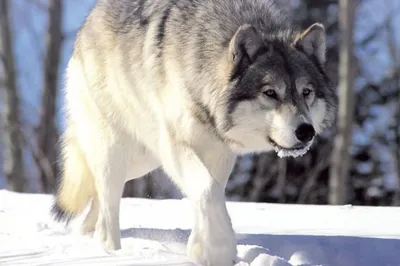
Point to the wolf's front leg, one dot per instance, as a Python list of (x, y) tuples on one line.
[(202, 174), (212, 241)]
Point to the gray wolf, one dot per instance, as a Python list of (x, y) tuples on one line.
[(186, 86)]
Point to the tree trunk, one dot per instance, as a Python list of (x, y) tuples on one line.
[(47, 133), (396, 126), (13, 154), (281, 181), (341, 160), (394, 55)]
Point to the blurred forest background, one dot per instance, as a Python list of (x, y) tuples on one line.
[(357, 162)]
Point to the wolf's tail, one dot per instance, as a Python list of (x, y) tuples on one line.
[(76, 186)]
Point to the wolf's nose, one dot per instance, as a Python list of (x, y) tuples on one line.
[(305, 132)]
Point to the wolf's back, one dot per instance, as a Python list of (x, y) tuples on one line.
[(206, 25), (187, 37)]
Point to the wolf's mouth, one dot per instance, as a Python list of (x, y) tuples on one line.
[(295, 151)]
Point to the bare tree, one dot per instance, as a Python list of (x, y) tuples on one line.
[(13, 154), (47, 134), (395, 76), (341, 160)]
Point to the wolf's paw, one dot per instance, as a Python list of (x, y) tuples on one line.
[(107, 243), (88, 229), (207, 254), (106, 239)]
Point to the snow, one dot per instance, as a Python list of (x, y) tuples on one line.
[(154, 232)]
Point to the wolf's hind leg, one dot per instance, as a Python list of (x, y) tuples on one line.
[(109, 169), (107, 155), (89, 224), (118, 161), (143, 163)]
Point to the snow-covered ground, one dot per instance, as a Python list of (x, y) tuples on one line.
[(155, 232)]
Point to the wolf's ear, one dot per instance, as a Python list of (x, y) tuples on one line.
[(243, 47), (312, 42)]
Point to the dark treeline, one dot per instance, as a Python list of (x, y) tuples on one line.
[(357, 162)]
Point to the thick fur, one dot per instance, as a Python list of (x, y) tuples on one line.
[(80, 180), (186, 85)]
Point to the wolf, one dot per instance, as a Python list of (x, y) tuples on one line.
[(186, 85)]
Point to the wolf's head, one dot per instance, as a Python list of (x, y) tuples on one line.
[(278, 96)]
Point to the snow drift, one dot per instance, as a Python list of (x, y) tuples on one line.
[(154, 232)]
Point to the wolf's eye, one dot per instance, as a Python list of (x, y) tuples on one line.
[(271, 93), (307, 92)]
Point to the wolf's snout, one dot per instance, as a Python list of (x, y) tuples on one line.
[(305, 132)]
